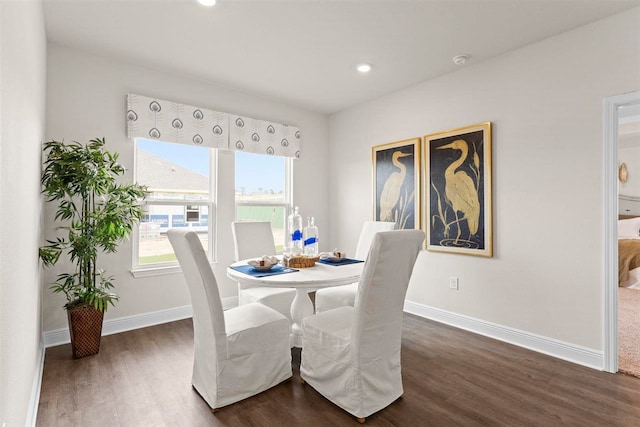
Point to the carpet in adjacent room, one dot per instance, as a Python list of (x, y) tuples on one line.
[(629, 331)]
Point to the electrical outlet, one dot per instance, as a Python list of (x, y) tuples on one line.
[(454, 283)]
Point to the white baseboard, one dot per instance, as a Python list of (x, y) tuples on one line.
[(549, 346), (129, 323), (34, 401), (552, 347)]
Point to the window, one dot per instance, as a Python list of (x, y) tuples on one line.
[(180, 189), (263, 191), (193, 213)]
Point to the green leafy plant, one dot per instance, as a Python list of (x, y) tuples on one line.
[(96, 214)]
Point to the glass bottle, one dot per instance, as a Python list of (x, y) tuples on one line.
[(295, 232), (310, 237)]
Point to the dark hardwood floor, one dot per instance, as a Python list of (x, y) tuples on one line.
[(451, 378)]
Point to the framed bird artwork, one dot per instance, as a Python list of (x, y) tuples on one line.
[(396, 183), (457, 191)]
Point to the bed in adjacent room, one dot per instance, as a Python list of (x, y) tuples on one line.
[(629, 252)]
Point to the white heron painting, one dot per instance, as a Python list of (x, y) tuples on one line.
[(396, 168), (458, 190)]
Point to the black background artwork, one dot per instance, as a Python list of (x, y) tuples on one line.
[(456, 185), (395, 184)]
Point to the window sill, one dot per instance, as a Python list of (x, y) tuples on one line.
[(155, 271), (142, 272)]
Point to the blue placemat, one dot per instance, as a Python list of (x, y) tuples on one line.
[(247, 269), (344, 261)]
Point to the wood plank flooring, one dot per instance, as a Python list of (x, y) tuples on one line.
[(451, 378)]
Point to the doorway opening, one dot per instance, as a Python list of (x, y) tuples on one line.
[(622, 203)]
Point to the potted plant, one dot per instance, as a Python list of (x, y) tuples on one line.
[(94, 213)]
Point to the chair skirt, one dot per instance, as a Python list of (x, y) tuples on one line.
[(258, 356), (330, 364)]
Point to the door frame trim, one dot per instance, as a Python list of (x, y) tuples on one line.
[(610, 217)]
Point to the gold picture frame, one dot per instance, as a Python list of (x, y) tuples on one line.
[(457, 191), (396, 183)]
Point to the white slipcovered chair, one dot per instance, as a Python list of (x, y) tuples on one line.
[(351, 355), (253, 239), (239, 352), (339, 296)]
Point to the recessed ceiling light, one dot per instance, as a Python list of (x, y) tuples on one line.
[(207, 2), (364, 68)]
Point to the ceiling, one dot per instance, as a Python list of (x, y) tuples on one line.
[(304, 52)]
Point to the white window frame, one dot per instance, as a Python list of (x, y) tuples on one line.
[(287, 204), (171, 267)]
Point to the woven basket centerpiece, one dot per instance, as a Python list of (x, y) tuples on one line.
[(301, 261)]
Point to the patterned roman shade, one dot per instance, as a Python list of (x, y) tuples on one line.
[(169, 121)]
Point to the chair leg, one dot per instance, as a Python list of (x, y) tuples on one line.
[(361, 420), (302, 380)]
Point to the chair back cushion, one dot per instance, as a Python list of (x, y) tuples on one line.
[(252, 239), (369, 229), (378, 311), (208, 316)]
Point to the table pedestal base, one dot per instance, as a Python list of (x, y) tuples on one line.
[(301, 307)]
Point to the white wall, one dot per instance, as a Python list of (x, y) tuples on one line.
[(86, 98), (22, 121), (545, 102)]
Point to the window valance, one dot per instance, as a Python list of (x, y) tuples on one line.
[(169, 121), (174, 122), (259, 136)]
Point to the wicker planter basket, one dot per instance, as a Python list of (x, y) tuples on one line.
[(302, 261), (85, 328)]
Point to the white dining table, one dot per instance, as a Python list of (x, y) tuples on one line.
[(304, 280)]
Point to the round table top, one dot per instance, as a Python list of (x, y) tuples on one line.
[(316, 277)]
